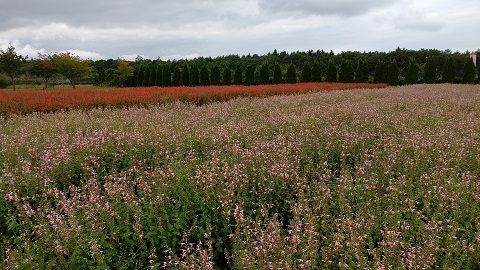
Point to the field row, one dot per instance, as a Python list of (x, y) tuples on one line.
[(23, 102)]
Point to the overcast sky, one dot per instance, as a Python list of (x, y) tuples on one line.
[(176, 29)]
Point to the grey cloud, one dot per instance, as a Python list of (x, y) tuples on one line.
[(324, 7)]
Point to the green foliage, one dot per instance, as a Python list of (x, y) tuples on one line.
[(166, 76), (347, 73), (72, 67), (140, 76), (3, 81), (469, 71), (11, 63), (204, 76), (412, 72), (362, 73), (194, 76), (291, 74), (159, 75), (380, 72), (227, 76), (263, 185), (123, 72), (430, 75), (448, 74), (249, 75), (185, 80), (44, 67), (152, 76), (277, 74), (264, 76), (177, 76), (306, 73), (215, 76), (316, 74), (238, 76), (331, 71), (393, 73)]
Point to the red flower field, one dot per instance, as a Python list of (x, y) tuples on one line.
[(24, 102)]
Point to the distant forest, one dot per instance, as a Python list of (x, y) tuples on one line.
[(223, 69), (397, 67)]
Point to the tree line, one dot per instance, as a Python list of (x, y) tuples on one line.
[(394, 68)]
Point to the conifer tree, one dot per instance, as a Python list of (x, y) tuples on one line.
[(331, 71), (227, 76), (264, 76), (448, 75), (153, 75), (380, 72), (346, 74), (204, 76), (291, 74), (307, 72), (277, 74), (177, 76), (412, 72), (249, 75), (194, 76), (166, 76), (392, 73), (146, 76), (238, 76), (215, 75), (316, 74), (158, 76), (468, 71), (140, 76), (361, 75), (430, 75), (185, 78)]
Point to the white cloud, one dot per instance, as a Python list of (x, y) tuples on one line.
[(181, 29)]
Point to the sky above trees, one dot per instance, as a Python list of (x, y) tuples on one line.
[(99, 29)]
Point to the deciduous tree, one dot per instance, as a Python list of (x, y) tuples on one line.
[(123, 71), (43, 67), (72, 67), (11, 63)]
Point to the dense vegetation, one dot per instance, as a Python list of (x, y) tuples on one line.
[(311, 66), (86, 98), (365, 179)]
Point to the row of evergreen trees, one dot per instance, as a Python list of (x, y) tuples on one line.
[(154, 74)]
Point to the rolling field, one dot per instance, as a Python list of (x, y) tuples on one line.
[(363, 179)]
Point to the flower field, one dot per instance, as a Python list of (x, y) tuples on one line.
[(367, 179), (24, 102)]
